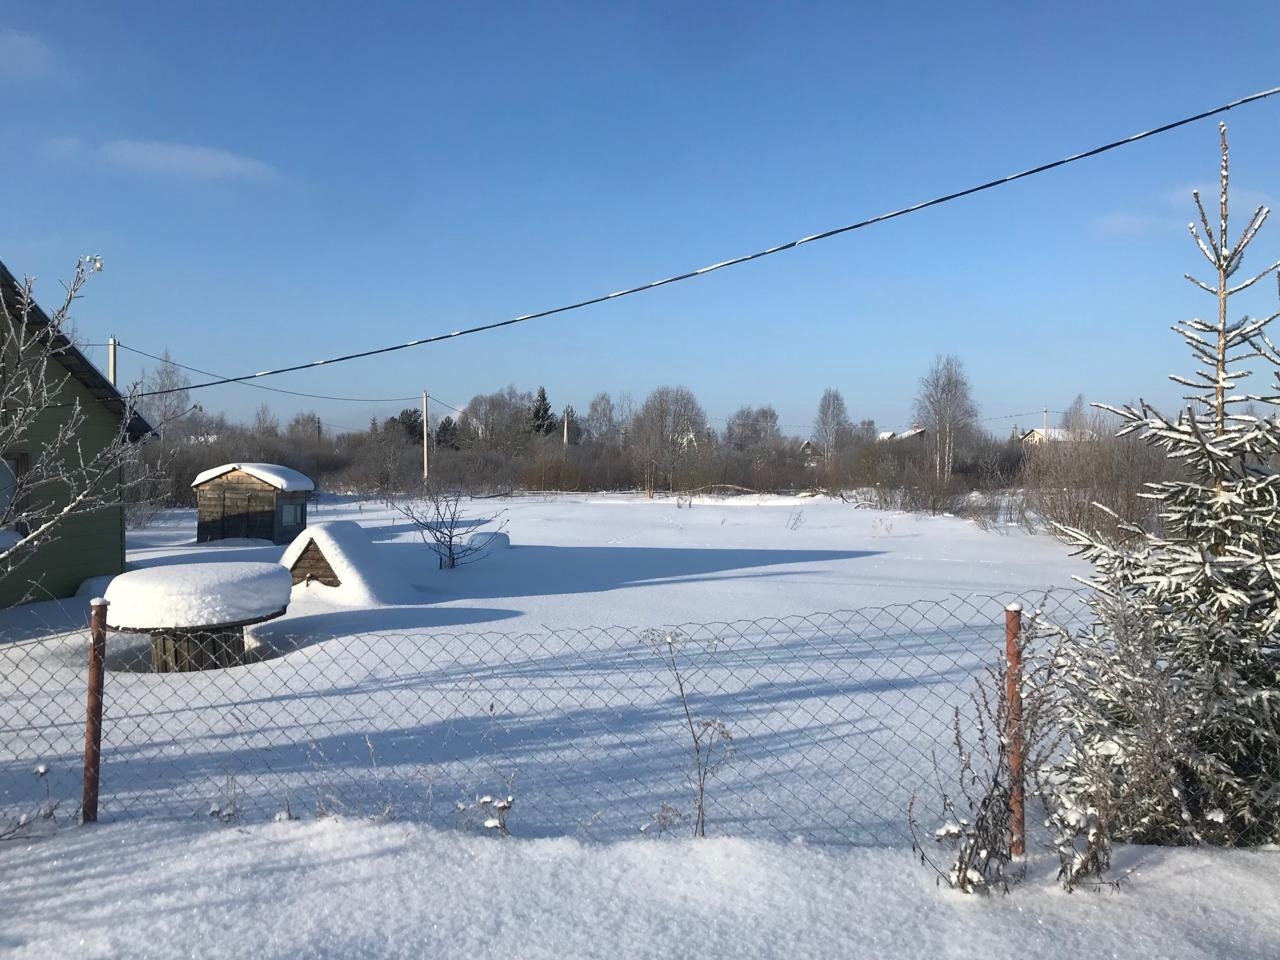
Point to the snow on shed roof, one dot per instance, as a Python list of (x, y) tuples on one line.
[(283, 478), (368, 580)]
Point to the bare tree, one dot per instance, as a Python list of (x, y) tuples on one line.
[(668, 428), (601, 423), (831, 427), (499, 421), (945, 408), (443, 524), (1076, 419), (169, 402), (265, 423), (752, 428), (51, 473)]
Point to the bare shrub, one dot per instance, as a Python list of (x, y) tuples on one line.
[(43, 813), (1066, 481), (711, 739), (976, 829)]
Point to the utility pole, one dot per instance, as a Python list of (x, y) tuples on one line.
[(426, 438), (566, 428), (111, 360), (1046, 423)]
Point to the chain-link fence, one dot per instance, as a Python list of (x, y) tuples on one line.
[(817, 727)]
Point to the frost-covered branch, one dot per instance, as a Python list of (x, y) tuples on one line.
[(50, 470)]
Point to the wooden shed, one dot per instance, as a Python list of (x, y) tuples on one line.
[(261, 501)]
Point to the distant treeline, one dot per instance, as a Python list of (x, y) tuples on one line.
[(514, 440)]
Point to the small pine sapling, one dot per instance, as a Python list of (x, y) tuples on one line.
[(1194, 758)]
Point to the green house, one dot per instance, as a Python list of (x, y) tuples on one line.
[(86, 542)]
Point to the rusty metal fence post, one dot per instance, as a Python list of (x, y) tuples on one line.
[(1013, 732), (93, 710)]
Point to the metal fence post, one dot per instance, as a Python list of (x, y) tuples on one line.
[(93, 710), (1013, 732)]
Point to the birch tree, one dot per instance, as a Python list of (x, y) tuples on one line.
[(832, 425), (944, 407)]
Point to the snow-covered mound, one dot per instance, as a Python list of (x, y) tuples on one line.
[(489, 540), (366, 578), (282, 478), (196, 595)]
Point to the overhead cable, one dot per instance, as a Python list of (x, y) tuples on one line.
[(690, 274)]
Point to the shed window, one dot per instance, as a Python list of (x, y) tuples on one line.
[(291, 514)]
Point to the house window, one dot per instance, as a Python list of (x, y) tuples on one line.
[(291, 514)]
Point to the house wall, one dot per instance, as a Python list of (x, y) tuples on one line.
[(84, 545)]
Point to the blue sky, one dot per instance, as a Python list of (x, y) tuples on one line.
[(275, 183)]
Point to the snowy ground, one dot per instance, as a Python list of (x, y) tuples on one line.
[(344, 890), (506, 675), (512, 675), (603, 559)]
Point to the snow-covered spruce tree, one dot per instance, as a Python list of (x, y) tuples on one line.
[(1174, 698)]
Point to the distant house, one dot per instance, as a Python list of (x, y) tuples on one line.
[(811, 452), (1055, 435), (259, 501), (83, 544), (916, 433)]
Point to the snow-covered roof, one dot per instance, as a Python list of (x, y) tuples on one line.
[(282, 478), (887, 435), (1055, 434), (367, 579), (196, 595)]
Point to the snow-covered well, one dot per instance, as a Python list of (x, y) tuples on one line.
[(196, 595)]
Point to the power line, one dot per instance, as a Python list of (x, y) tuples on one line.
[(449, 406), (688, 275), (257, 386), (261, 386), (1015, 416)]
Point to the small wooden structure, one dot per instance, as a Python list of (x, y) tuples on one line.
[(261, 501), (312, 566), (340, 556), (186, 649), (196, 613)]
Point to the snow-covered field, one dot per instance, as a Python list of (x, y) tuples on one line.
[(529, 673)]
